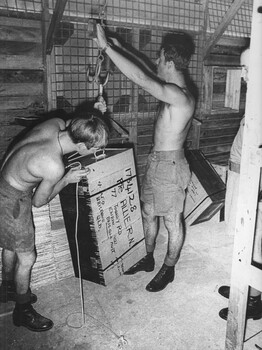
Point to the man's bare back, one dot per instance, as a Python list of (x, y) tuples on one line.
[(29, 160), (37, 161), (172, 126)]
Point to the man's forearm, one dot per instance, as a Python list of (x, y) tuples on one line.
[(133, 53), (58, 188), (131, 70), (41, 196)]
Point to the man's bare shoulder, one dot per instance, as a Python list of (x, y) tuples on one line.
[(183, 106), (189, 101), (53, 124), (47, 166), (47, 158), (179, 98)]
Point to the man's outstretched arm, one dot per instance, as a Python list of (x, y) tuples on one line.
[(135, 54), (168, 93), (53, 181)]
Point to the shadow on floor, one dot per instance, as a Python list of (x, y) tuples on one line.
[(125, 316)]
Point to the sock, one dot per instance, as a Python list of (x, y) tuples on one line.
[(150, 248), (7, 287), (23, 298), (167, 267), (169, 262), (6, 282)]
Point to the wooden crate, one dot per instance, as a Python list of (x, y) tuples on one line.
[(53, 262), (206, 191), (110, 232)]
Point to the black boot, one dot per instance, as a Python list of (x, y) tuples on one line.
[(7, 293), (165, 275), (224, 291), (146, 264), (254, 309), (25, 315)]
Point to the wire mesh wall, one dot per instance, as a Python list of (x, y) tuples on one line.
[(240, 26), (33, 6), (142, 24)]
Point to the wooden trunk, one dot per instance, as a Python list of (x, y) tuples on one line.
[(109, 232), (206, 190)]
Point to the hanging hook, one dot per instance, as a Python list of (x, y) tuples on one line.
[(102, 14), (102, 81), (101, 85), (97, 76), (99, 61)]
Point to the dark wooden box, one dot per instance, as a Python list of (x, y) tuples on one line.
[(110, 233), (206, 191)]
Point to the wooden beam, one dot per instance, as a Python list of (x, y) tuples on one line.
[(200, 66), (233, 86), (196, 128), (30, 61), (55, 20), (12, 33), (20, 48), (20, 14), (247, 201), (222, 60), (223, 26)]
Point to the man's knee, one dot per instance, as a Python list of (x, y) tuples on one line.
[(147, 211), (26, 259), (173, 221), (8, 255)]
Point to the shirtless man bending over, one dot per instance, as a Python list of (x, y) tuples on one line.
[(167, 173), (33, 173)]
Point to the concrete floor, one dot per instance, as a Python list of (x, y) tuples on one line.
[(125, 316)]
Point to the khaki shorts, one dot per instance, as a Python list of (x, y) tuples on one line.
[(166, 179), (17, 231)]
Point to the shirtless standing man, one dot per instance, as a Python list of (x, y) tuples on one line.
[(33, 173), (167, 174)]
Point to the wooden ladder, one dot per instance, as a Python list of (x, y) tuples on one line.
[(244, 274)]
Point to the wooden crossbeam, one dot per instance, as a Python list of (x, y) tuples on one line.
[(223, 26), (254, 277), (56, 18)]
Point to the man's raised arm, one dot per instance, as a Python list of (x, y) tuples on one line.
[(168, 93)]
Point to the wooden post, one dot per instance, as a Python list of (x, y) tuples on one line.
[(235, 6), (243, 273), (56, 18)]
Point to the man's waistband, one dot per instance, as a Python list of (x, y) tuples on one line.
[(235, 167), (5, 186), (168, 155)]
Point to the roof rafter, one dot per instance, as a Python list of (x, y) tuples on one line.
[(230, 14), (55, 20)]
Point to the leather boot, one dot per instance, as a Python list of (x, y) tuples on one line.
[(224, 291), (254, 309), (8, 293), (146, 264), (165, 275), (25, 315)]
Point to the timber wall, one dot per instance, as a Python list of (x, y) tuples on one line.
[(24, 90), (22, 75)]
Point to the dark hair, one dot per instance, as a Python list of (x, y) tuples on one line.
[(88, 127), (178, 47)]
